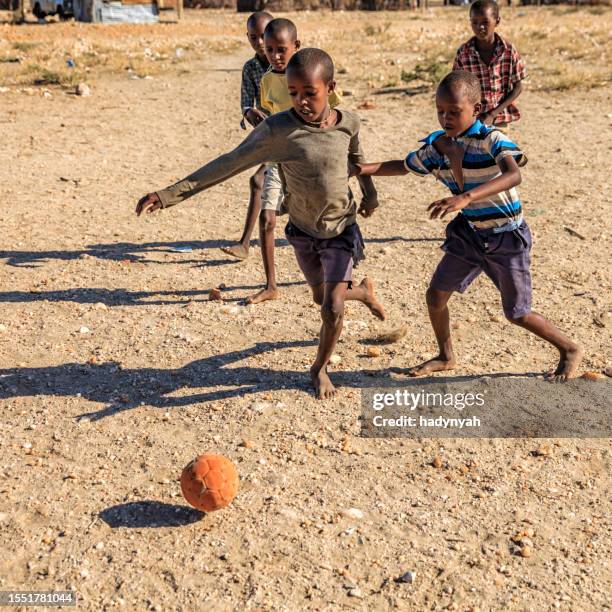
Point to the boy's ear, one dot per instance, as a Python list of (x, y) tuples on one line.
[(331, 86), (477, 109), (298, 44)]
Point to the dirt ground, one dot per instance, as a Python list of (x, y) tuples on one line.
[(116, 369)]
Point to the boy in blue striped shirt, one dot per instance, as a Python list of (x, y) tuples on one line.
[(489, 234)]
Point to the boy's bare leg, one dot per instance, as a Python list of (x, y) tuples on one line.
[(364, 293), (331, 298), (570, 352), (332, 315), (241, 250), (437, 305), (267, 225)]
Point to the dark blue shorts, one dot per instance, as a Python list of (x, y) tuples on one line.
[(327, 260), (503, 257)]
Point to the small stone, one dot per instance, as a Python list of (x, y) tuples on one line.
[(496, 319), (84, 330), (27, 445), (93, 360), (607, 371), (82, 89), (526, 551), (345, 446), (406, 578), (2, 327), (355, 592), (84, 573), (335, 359), (230, 310), (393, 335), (215, 295), (592, 376), (352, 513), (373, 351), (437, 462), (247, 444), (544, 450), (100, 306), (367, 105)]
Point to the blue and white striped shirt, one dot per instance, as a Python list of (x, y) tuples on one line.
[(484, 146)]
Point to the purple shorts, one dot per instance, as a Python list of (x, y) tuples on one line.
[(503, 257), (329, 260)]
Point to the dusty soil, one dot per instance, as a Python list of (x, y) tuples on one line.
[(116, 370)]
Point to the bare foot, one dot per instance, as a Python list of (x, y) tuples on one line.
[(262, 296), (437, 364), (239, 251), (376, 308), (324, 389), (568, 364)]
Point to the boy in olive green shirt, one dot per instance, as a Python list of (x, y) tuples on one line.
[(314, 144)]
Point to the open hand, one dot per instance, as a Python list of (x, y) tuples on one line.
[(441, 208), (254, 116), (148, 204)]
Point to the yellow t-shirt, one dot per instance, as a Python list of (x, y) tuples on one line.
[(274, 93)]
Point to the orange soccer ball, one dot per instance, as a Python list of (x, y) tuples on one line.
[(209, 482)]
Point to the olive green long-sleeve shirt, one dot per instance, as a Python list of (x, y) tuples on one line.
[(313, 164)]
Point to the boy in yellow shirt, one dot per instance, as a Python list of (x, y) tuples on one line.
[(280, 44)]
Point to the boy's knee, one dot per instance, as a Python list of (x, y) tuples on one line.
[(267, 220), (520, 320), (436, 299), (317, 294), (332, 312), (256, 182)]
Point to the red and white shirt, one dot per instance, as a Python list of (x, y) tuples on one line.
[(498, 78)]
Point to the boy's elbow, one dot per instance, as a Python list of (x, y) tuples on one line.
[(518, 178)]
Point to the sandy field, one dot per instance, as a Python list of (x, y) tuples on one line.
[(116, 369)]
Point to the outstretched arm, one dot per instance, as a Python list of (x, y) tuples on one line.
[(388, 168), (252, 151), (510, 177)]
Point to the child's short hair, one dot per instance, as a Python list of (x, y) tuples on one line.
[(278, 25), (309, 59), (481, 6), (462, 80), (255, 17)]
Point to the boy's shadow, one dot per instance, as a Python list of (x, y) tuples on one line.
[(129, 252), (122, 389), (149, 513), (125, 297)]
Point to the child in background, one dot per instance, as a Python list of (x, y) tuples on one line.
[(496, 63), (252, 71), (313, 144), (489, 234), (280, 43)]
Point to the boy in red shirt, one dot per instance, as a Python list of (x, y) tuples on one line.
[(496, 63)]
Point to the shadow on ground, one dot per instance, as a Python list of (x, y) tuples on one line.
[(149, 513), (128, 252), (221, 377)]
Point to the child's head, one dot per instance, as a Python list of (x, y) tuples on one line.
[(280, 43), (256, 24), (310, 78), (484, 18), (458, 101)]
